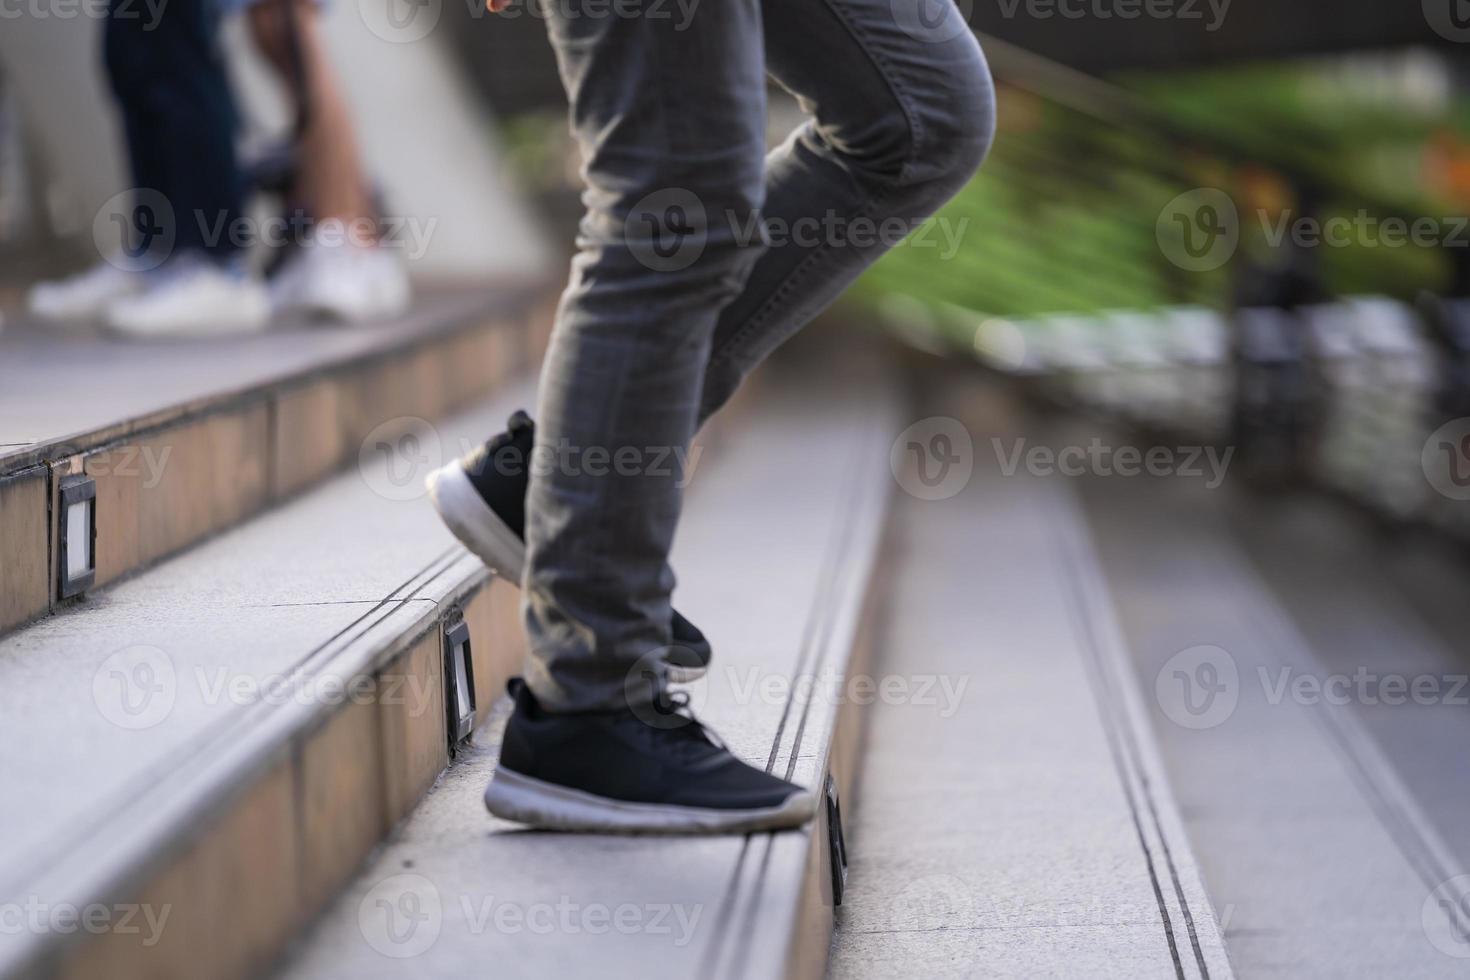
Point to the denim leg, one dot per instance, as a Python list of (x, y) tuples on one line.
[(670, 119), (903, 112), (178, 116)]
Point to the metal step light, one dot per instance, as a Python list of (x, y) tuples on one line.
[(836, 842), (459, 682), (76, 536)]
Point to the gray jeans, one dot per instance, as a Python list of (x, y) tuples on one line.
[(675, 296)]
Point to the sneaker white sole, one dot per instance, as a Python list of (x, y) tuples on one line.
[(524, 800), (478, 527), (491, 540)]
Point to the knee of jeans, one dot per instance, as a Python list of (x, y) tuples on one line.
[(956, 127), (934, 136)]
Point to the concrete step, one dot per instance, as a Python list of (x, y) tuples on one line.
[(1015, 818), (776, 557), (211, 747), (180, 440), (1324, 779)]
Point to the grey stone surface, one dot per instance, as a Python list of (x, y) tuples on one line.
[(59, 381), (1308, 816), (767, 517), (993, 834), (1386, 607), (101, 705)]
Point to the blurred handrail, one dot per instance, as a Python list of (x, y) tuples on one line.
[(1108, 102)]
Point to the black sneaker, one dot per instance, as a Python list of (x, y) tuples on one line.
[(482, 498), (612, 771)]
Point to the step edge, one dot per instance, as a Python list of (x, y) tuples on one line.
[(187, 808), (1116, 689), (847, 647), (465, 315), (257, 407)]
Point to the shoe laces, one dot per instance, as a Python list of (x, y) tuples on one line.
[(691, 731)]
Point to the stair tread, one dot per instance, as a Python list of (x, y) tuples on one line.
[(306, 581), (998, 833), (78, 387), (774, 553), (1303, 812)]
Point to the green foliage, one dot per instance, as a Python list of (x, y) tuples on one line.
[(1064, 216)]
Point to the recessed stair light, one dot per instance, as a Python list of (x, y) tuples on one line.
[(459, 683), (836, 842), (76, 535)]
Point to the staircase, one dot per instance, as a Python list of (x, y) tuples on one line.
[(1015, 816), (239, 752), (251, 692), (784, 591), (235, 755), (184, 440)]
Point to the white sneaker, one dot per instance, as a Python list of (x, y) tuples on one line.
[(193, 298), (342, 282), (86, 295)]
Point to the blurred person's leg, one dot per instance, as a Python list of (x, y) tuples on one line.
[(178, 114), (168, 76), (343, 271), (178, 119), (330, 182)]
